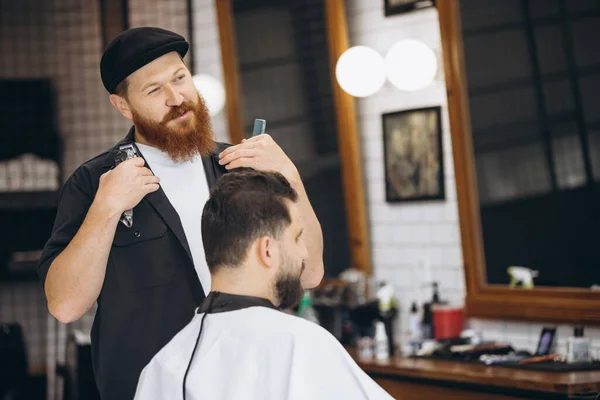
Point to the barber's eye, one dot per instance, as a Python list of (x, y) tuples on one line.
[(180, 77), (153, 91)]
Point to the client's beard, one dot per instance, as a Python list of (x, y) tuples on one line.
[(288, 287), (182, 140)]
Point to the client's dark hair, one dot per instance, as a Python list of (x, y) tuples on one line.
[(242, 207)]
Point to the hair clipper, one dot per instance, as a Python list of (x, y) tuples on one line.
[(126, 152)]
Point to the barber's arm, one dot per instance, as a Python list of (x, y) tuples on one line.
[(262, 153), (78, 250)]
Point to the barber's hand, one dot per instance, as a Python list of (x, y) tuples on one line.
[(123, 187), (260, 153)]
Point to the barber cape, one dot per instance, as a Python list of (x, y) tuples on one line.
[(248, 350)]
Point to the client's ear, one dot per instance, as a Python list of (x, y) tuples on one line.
[(268, 251)]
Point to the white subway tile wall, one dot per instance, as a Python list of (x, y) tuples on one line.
[(406, 237), (412, 242)]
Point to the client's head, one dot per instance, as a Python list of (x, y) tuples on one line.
[(252, 233)]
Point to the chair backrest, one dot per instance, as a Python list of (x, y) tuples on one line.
[(13, 362)]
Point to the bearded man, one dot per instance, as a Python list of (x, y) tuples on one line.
[(127, 234)]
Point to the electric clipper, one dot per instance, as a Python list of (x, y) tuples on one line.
[(126, 152)]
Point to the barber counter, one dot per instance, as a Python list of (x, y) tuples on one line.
[(420, 379)]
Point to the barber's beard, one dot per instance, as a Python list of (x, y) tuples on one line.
[(181, 140), (288, 286)]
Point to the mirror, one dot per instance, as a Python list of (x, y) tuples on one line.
[(523, 79), (278, 58)]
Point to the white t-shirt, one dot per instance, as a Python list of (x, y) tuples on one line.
[(256, 353), (187, 189)]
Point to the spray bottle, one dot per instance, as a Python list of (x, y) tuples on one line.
[(388, 309), (306, 309)]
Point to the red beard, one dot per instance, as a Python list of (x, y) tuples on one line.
[(184, 139)]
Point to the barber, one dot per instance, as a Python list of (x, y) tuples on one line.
[(149, 273)]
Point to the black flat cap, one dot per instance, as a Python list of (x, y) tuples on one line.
[(134, 48)]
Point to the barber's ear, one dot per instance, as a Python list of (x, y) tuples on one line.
[(122, 105), (268, 251)]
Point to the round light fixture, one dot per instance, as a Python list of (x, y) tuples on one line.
[(211, 89), (360, 71), (410, 65)]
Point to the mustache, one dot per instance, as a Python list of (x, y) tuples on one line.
[(176, 112)]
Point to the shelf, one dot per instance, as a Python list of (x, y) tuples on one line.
[(21, 267), (28, 200), (25, 276)]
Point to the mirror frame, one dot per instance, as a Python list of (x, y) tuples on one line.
[(345, 115), (565, 305)]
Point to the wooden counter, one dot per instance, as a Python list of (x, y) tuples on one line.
[(409, 378)]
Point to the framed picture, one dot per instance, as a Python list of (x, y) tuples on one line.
[(393, 7), (413, 157)]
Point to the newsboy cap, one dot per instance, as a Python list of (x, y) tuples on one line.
[(134, 48)]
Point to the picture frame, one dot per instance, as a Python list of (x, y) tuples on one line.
[(413, 155), (393, 7)]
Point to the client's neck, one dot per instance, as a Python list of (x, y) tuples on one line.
[(240, 283)]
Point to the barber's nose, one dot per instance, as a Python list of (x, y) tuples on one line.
[(174, 98)]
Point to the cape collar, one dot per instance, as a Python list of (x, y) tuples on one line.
[(217, 302)]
